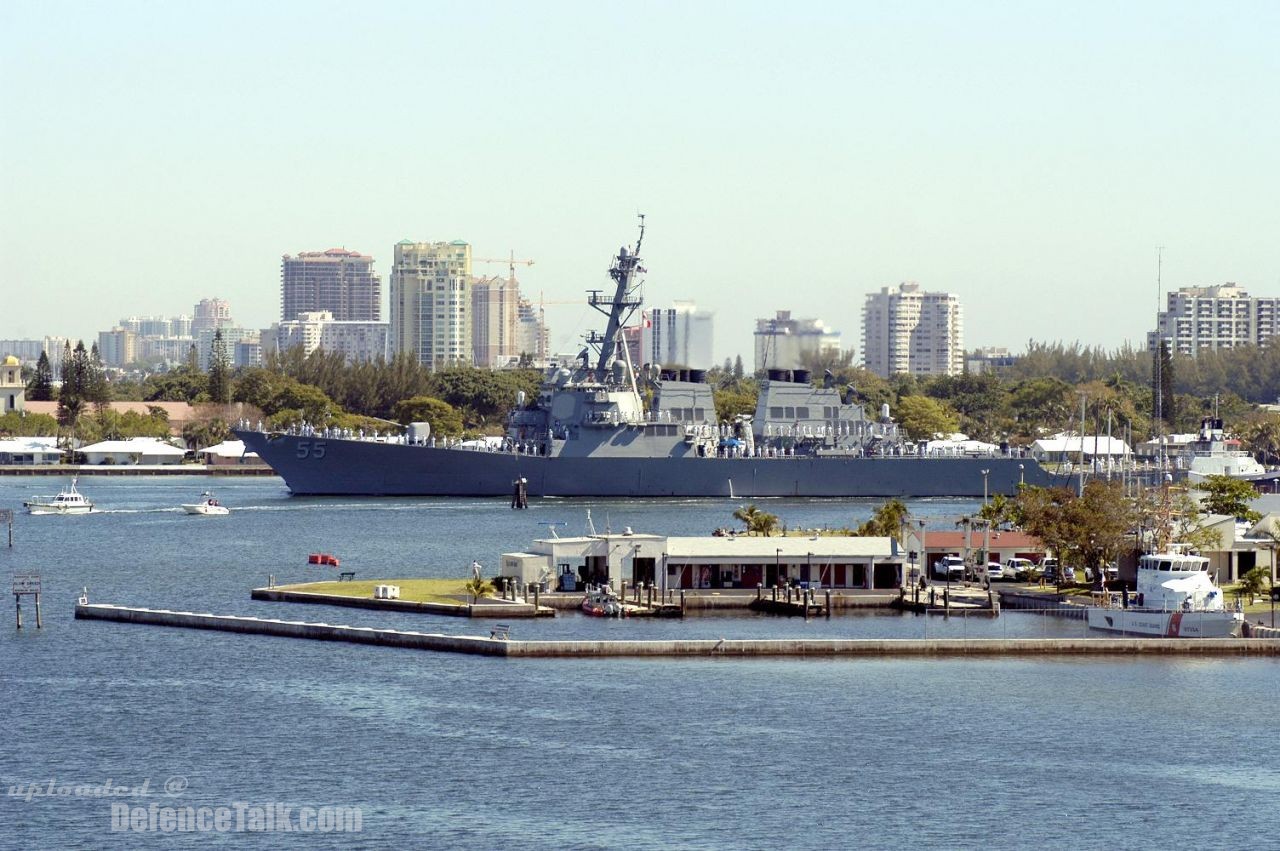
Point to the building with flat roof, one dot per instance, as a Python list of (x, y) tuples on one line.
[(1215, 317), (906, 330), (339, 281), (731, 561), (679, 335), (431, 302), (29, 351), (118, 347), (312, 330), (782, 342)]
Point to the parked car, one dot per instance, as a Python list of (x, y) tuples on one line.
[(1021, 569), (992, 571)]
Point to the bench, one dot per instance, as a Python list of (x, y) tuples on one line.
[(500, 631), (347, 576)]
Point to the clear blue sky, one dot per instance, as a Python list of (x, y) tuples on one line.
[(1028, 156)]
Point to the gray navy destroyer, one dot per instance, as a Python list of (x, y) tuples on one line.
[(590, 432)]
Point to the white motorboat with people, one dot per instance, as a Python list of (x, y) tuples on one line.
[(66, 501), (602, 602), (208, 506), (1174, 597)]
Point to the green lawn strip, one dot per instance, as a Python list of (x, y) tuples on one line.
[(447, 591)]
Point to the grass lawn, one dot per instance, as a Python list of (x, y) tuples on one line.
[(1261, 604), (449, 591)]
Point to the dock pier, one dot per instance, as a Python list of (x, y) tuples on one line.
[(704, 648)]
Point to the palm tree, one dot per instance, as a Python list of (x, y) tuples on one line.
[(478, 588), (757, 522)]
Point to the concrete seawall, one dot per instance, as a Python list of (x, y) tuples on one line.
[(709, 648), (291, 629), (1253, 630)]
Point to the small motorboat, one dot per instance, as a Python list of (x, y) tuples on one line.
[(601, 602), (68, 501), (208, 506)]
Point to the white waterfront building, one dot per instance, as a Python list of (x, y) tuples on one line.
[(705, 562)]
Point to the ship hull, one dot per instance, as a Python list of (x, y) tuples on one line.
[(1193, 624), (325, 466)]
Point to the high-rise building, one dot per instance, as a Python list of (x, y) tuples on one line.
[(118, 347), (312, 330), (676, 336), (431, 302), (29, 351), (532, 338), (1217, 317), (781, 342), (232, 336), (150, 326), (211, 314), (906, 330), (495, 305), (339, 281)]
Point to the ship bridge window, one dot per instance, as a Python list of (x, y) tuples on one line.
[(802, 413), (688, 414), (699, 413), (790, 412), (1166, 565), (829, 413), (775, 413)]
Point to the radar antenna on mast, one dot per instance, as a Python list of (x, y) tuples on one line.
[(624, 302)]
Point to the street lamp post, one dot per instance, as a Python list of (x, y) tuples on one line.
[(1022, 475), (777, 566), (924, 553), (985, 473)]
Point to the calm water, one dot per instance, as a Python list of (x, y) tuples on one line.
[(448, 751)]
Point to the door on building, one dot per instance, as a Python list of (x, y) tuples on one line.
[(642, 570), (841, 576), (752, 576), (885, 576)]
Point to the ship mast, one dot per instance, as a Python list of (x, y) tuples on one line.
[(624, 302)]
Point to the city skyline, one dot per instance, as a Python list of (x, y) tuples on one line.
[(1033, 155)]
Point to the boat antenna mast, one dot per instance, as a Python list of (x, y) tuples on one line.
[(621, 305)]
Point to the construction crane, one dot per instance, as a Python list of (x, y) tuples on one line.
[(510, 261)]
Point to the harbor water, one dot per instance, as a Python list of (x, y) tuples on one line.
[(437, 750)]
